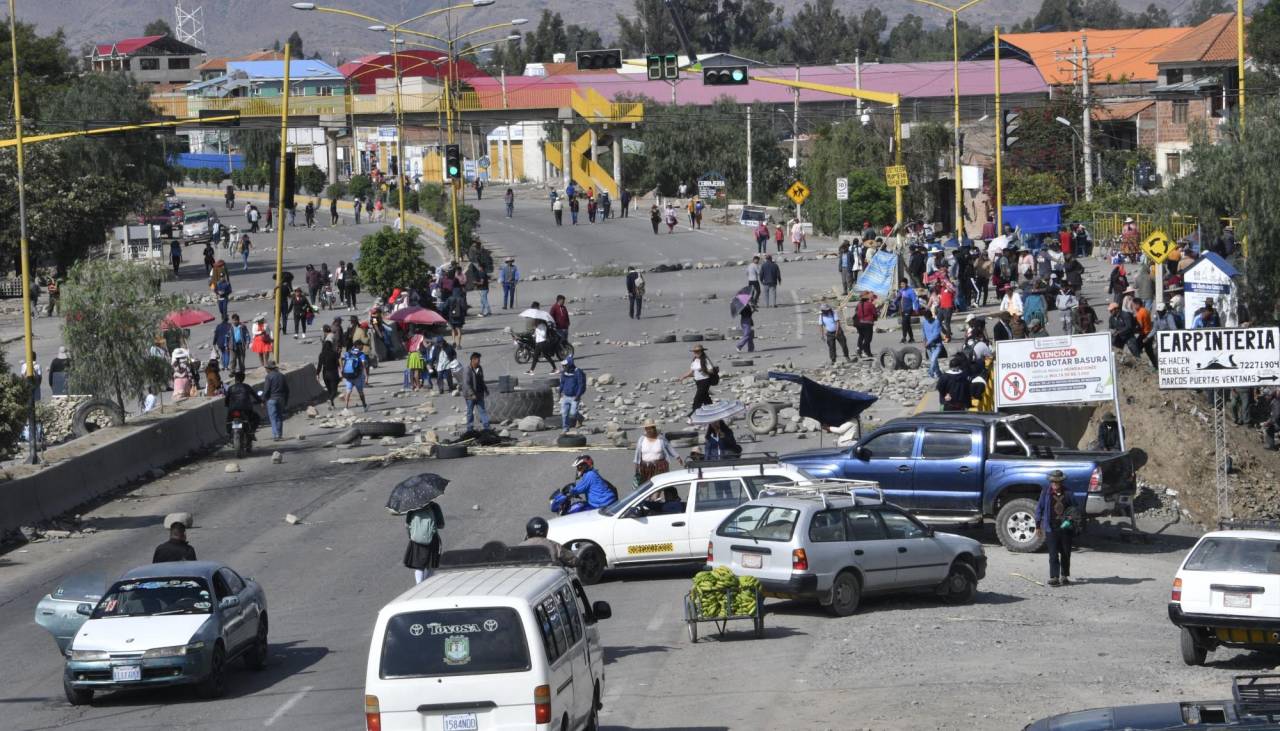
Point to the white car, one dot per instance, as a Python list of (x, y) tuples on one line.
[(645, 528), (1227, 593)]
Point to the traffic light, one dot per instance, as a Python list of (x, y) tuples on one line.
[(724, 76), (671, 67), (1009, 128), (605, 59), (290, 180), (654, 63), (452, 162)]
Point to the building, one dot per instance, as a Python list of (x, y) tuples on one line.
[(215, 67), (365, 72), (1198, 87), (149, 59)]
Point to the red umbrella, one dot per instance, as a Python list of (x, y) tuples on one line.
[(417, 316), (187, 318)]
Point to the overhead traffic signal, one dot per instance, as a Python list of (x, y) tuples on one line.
[(603, 59), (724, 76), (654, 64), (1009, 128), (452, 162)]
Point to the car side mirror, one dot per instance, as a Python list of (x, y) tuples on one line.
[(84, 608), (862, 453), (602, 610), (229, 602)]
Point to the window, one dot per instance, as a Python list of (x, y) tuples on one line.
[(148, 64), (326, 91), (719, 495), (179, 64), (220, 588), (549, 643), (573, 620), (1173, 163), (756, 483), (1173, 76), (669, 500), (827, 526), (234, 583), (1251, 555), (892, 445), (940, 444), (901, 526), (1180, 111), (563, 638), (469, 641), (761, 522), (863, 525)]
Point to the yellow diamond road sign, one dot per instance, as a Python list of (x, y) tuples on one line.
[(798, 192), (1157, 246), (895, 176)]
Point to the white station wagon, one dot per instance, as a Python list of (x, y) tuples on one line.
[(667, 519)]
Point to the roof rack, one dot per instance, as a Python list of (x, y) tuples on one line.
[(495, 554), (1248, 524), (746, 459), (822, 488), (1257, 694)]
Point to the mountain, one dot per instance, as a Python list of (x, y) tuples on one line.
[(238, 26)]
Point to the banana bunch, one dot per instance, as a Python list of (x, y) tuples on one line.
[(712, 590), (744, 601)]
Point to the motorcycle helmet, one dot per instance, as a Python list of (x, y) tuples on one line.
[(584, 463), (535, 528)]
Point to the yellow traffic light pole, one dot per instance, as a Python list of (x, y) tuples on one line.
[(280, 196), (24, 248)]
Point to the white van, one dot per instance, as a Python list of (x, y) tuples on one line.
[(489, 647)]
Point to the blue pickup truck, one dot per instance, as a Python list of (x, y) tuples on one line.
[(963, 467)]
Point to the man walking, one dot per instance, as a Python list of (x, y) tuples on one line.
[(560, 316), (357, 206), (908, 303), (770, 278), (221, 340), (176, 548), (832, 332), (635, 293), (474, 390), (509, 198), (222, 290), (844, 261), (276, 392), (753, 279), (333, 212), (865, 322), (509, 276), (238, 343), (573, 384), (762, 237), (1056, 516), (931, 330)]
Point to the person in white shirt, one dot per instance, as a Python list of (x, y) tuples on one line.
[(542, 348), (653, 453), (1011, 302), (704, 375), (36, 374), (753, 279)]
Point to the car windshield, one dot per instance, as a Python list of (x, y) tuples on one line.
[(1250, 555), (152, 597), (198, 217), (630, 498), (454, 642), (760, 522)]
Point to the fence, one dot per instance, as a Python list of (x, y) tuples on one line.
[(1110, 224)]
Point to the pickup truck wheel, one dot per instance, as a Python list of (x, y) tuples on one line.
[(1193, 653), (1016, 526), (846, 592), (961, 585), (590, 564)]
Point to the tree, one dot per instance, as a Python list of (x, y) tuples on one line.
[(390, 259), (157, 27), (259, 146), (312, 179), (1044, 144), (818, 34), (1263, 36), (1202, 10), (295, 46), (1022, 188), (552, 36), (113, 313), (45, 62), (15, 395)]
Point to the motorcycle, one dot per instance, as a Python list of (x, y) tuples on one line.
[(241, 432), (525, 346), (563, 503)]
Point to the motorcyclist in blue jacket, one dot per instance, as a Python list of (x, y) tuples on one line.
[(591, 484)]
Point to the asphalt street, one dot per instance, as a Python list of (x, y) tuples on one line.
[(1020, 652)]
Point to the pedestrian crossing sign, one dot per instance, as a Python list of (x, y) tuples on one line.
[(798, 192), (1157, 246), (895, 176)]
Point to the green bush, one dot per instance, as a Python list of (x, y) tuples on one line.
[(311, 179), (390, 259), (360, 186), (335, 191), (433, 200)]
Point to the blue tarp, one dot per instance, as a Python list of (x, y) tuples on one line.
[(216, 160), (1034, 219), (878, 276)]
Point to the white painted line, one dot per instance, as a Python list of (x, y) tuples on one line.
[(288, 704)]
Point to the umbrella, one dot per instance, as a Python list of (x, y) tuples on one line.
[(189, 317), (537, 315), (827, 405), (739, 300), (415, 492), (718, 411), (417, 316)]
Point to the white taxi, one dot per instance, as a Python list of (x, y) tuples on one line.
[(1227, 592), (667, 519)]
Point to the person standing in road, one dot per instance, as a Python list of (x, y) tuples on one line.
[(865, 322), (474, 390), (625, 199), (931, 331), (357, 206), (245, 247), (704, 375), (327, 366), (671, 220), (222, 341), (355, 371), (844, 261), (573, 384), (456, 311), (778, 236), (481, 283), (333, 212), (753, 279), (654, 454), (314, 283), (276, 393), (59, 372), (908, 303), (261, 340), (175, 257), (351, 284), (509, 199), (797, 236), (655, 217), (1056, 517), (953, 385), (557, 210), (560, 317), (423, 552), (748, 326), (832, 332), (542, 347), (573, 210), (509, 277), (762, 237), (302, 312), (770, 278), (635, 293), (237, 343), (176, 548)]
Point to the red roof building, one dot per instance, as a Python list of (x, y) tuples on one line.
[(364, 72), (149, 59)]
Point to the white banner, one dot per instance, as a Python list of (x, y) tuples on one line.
[(1069, 369), (1219, 357)]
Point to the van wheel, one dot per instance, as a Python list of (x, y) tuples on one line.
[(593, 718), (1193, 653), (1016, 526), (591, 564), (846, 592)]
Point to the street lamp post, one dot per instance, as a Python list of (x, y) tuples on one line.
[(24, 247), (1075, 182)]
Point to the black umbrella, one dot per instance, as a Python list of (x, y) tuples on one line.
[(740, 300), (416, 492)]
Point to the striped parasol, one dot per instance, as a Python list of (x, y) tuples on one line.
[(718, 411)]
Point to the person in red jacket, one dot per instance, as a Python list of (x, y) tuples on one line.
[(864, 320), (560, 316)]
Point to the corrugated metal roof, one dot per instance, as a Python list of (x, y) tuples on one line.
[(126, 46), (1213, 40), (298, 69), (1134, 51)]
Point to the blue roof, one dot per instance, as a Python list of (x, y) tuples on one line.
[(298, 69), (1217, 261)]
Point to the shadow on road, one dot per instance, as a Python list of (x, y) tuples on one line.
[(616, 652)]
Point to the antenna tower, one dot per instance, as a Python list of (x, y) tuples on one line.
[(190, 25)]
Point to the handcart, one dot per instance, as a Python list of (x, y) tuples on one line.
[(693, 614)]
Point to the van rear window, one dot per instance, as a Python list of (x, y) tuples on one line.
[(454, 642), (761, 522)]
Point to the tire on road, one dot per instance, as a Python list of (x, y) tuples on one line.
[(887, 359), (1016, 526), (591, 563), (665, 339), (349, 436), (1193, 653), (380, 428), (742, 363), (691, 338), (910, 358), (571, 440), (763, 418), (713, 336), (519, 404), (846, 592), (90, 415), (451, 451)]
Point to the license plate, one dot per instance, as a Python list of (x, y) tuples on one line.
[(752, 560), (125, 673), (237, 425), (461, 722), (1237, 601)]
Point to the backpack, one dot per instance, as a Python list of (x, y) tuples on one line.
[(352, 366)]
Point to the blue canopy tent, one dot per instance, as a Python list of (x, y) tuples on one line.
[(1034, 221)]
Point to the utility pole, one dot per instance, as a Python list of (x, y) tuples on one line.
[(1082, 59), (795, 131), (748, 154), (857, 76)]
